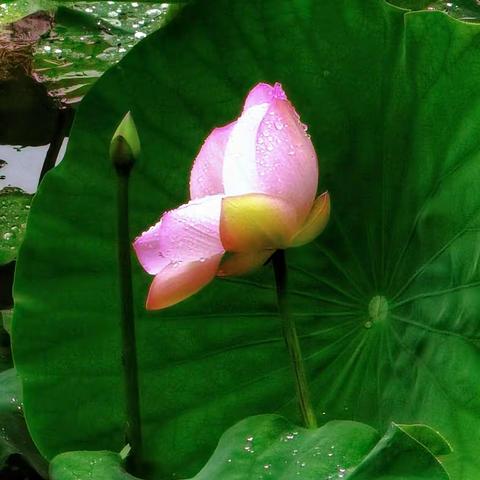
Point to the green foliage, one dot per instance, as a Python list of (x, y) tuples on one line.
[(387, 300), (14, 209), (6, 320), (87, 39), (14, 436), (269, 446), (89, 466), (466, 10), (5, 353), (73, 43), (11, 11)]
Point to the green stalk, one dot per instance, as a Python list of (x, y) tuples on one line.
[(133, 432), (124, 151), (291, 340)]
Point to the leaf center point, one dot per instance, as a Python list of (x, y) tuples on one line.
[(377, 309)]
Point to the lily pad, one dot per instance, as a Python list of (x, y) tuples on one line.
[(87, 465), (67, 45), (14, 210), (87, 39), (5, 352), (14, 436), (466, 10), (387, 300), (6, 320), (271, 447)]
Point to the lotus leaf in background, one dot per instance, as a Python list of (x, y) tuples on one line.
[(5, 353), (14, 437), (14, 209), (271, 447), (466, 10), (68, 45), (387, 300), (102, 465)]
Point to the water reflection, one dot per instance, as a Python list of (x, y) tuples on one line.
[(20, 167)]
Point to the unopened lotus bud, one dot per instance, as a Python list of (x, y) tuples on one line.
[(125, 145)]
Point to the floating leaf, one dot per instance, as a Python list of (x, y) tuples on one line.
[(87, 39), (466, 10), (387, 300), (6, 320), (14, 210), (70, 44), (271, 447), (14, 436), (89, 466), (5, 353)]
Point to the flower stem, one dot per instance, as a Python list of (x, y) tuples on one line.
[(291, 340), (133, 431)]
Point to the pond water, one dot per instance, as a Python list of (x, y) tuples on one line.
[(20, 166)]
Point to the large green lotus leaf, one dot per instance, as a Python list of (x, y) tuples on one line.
[(387, 300), (271, 447)]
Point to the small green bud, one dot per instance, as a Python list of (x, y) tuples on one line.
[(125, 144)]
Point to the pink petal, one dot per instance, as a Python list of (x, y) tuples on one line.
[(264, 93), (179, 281), (242, 263), (147, 248), (270, 152), (206, 175), (188, 233), (240, 174)]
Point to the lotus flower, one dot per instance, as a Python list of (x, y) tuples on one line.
[(252, 189)]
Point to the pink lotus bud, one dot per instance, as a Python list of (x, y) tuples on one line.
[(252, 189)]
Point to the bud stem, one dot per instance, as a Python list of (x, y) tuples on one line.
[(291, 340), (133, 431)]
